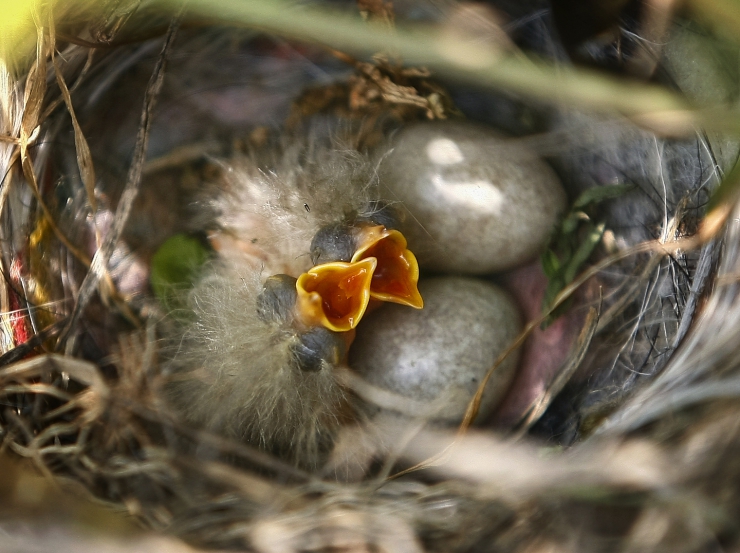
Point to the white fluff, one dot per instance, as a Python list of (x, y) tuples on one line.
[(276, 199), (233, 373)]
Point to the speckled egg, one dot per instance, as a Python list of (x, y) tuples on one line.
[(440, 354), (476, 202)]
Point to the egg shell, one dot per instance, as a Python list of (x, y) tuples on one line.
[(443, 350), (475, 201)]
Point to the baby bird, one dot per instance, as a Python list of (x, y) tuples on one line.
[(305, 246)]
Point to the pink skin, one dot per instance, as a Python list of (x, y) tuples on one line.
[(544, 352)]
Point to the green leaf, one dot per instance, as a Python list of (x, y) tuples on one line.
[(554, 286), (566, 270), (550, 264), (573, 243), (570, 223), (174, 268), (584, 251)]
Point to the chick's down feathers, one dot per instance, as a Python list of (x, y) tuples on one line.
[(235, 370)]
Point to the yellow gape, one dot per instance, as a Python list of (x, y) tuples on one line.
[(335, 295), (397, 275)]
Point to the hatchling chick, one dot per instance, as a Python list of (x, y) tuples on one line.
[(304, 245)]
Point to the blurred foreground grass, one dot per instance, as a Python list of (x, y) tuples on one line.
[(445, 51)]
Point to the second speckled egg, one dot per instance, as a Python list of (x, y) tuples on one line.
[(443, 351)]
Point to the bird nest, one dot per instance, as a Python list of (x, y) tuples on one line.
[(110, 131)]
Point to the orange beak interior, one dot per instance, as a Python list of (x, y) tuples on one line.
[(397, 275), (335, 295)]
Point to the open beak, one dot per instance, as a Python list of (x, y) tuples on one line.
[(397, 275), (335, 295)]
